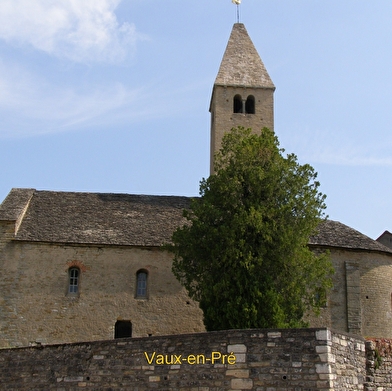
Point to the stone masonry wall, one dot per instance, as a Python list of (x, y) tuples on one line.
[(347, 361), (379, 365), (360, 301), (376, 295), (261, 360), (35, 306)]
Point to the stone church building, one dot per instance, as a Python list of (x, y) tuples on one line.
[(89, 266)]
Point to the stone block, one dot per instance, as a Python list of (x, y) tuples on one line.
[(323, 335), (240, 373), (241, 384), (274, 334), (323, 349), (73, 378), (240, 358), (296, 364), (327, 357), (238, 348), (323, 368)]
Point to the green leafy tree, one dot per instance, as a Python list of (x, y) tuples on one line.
[(243, 255)]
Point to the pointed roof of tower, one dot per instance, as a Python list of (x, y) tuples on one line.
[(241, 64)]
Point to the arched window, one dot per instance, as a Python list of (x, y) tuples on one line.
[(141, 284), (250, 105), (123, 329), (237, 104), (73, 280)]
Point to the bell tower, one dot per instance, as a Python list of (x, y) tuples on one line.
[(243, 92)]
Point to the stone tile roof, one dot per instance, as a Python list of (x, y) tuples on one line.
[(335, 234), (95, 218), (129, 220), (386, 239), (241, 64), (15, 203)]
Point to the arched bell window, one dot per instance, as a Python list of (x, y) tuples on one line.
[(250, 105), (237, 104)]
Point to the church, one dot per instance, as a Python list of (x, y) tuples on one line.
[(90, 266)]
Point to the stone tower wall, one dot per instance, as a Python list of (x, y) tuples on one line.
[(223, 118)]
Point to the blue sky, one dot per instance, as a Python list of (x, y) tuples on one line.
[(113, 96)]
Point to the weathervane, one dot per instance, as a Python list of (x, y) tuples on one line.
[(237, 3)]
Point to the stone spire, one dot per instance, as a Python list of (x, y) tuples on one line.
[(243, 91), (241, 64)]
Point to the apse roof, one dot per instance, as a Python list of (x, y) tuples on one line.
[(335, 234)]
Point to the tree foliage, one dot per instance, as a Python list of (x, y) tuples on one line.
[(243, 255)]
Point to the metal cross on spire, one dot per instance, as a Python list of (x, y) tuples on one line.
[(237, 3)]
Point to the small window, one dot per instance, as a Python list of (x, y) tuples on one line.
[(237, 104), (250, 105), (73, 286), (141, 284), (123, 329)]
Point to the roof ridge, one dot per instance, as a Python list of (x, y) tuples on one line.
[(98, 193)]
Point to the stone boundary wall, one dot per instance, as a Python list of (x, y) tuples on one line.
[(261, 360), (378, 365), (346, 360)]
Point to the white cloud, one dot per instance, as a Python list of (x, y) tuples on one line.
[(29, 105), (337, 148), (80, 30), (354, 157)]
